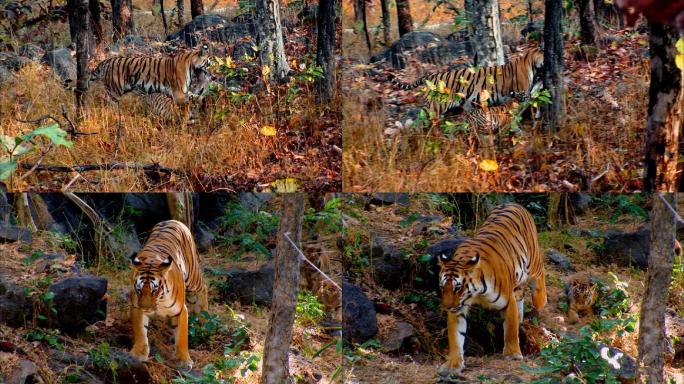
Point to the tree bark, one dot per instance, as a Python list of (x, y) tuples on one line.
[(162, 12), (270, 33), (588, 27), (275, 368), (196, 8), (486, 28), (386, 23), (180, 207), (122, 18), (96, 20), (325, 51), (80, 16), (554, 113), (180, 8), (652, 314), (664, 111), (404, 17), (360, 22)]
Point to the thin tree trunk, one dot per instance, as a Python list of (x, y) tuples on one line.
[(196, 8), (180, 207), (588, 27), (122, 18), (658, 276), (325, 52), (80, 16), (404, 17), (553, 65), (484, 17), (386, 23), (163, 17), (23, 209), (360, 21), (96, 19), (270, 33), (276, 368), (664, 111), (180, 8)]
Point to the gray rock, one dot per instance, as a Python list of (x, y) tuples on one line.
[(580, 202), (31, 51), (626, 249), (445, 247), (626, 364), (62, 63), (395, 339), (12, 61), (390, 267), (11, 233), (254, 201), (204, 237), (79, 301), (250, 287), (215, 28), (445, 53), (25, 373), (5, 74), (560, 261), (244, 48), (5, 207), (397, 54), (132, 44), (358, 315), (674, 326), (15, 308), (388, 198)]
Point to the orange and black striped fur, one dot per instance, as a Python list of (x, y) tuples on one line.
[(491, 270), (165, 109), (167, 281), (501, 82), (582, 292), (168, 74)]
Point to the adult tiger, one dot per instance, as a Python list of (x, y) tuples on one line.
[(167, 280), (502, 82), (167, 74), (491, 269)]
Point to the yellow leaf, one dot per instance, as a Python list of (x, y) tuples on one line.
[(489, 165), (268, 130), (679, 61), (229, 62), (680, 45), (484, 95), (285, 185), (265, 71)]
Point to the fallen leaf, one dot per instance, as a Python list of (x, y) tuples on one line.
[(268, 130), (488, 165)]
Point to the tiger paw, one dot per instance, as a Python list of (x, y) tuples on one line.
[(185, 364), (446, 370), (140, 353), (514, 356)]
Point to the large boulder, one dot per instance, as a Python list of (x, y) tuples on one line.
[(390, 267), (445, 53), (62, 63), (250, 287), (80, 301), (25, 372), (560, 261), (358, 323), (397, 54), (580, 202), (399, 337), (215, 28), (31, 51), (12, 61), (16, 308), (131, 45), (626, 249), (388, 198), (11, 233)]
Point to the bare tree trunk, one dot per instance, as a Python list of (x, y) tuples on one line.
[(180, 207), (325, 51), (386, 23), (80, 16), (559, 212), (486, 28), (664, 111), (180, 8), (23, 209), (404, 17), (554, 114), (122, 18), (163, 17), (360, 22), (96, 20), (659, 274), (196, 8), (588, 27), (270, 32), (276, 368)]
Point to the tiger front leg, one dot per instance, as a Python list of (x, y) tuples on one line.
[(511, 327), (140, 322), (181, 335), (456, 329)]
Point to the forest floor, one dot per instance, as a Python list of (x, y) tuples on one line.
[(419, 364), (314, 357), (248, 137), (599, 147)]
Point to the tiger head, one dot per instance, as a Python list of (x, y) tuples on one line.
[(149, 278), (201, 59), (455, 272)]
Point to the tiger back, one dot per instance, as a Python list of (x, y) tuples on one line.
[(491, 270), (168, 74), (167, 281), (465, 86)]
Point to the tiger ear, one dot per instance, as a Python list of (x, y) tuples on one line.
[(443, 258), (474, 260), (136, 260), (166, 263)]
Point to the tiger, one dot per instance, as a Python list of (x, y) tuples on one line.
[(582, 292), (167, 281), (491, 269), (169, 74), (164, 108), (466, 85)]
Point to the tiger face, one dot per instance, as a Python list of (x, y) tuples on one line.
[(149, 280), (454, 274), (582, 293)]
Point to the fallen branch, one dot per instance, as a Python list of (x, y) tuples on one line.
[(72, 130), (102, 167)]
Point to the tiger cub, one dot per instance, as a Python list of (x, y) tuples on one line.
[(466, 85), (491, 270), (165, 109), (582, 292), (167, 281)]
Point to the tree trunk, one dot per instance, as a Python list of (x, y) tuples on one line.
[(559, 213), (163, 17), (553, 65), (325, 51), (23, 209), (96, 20), (486, 28), (80, 16), (588, 27), (404, 17), (180, 8), (664, 111), (122, 18), (275, 368), (196, 8), (360, 22), (270, 33), (386, 23), (180, 207), (652, 314)]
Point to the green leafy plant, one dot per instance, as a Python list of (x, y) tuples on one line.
[(103, 361), (203, 328), (49, 336), (249, 230), (537, 99), (308, 310), (328, 220), (19, 146)]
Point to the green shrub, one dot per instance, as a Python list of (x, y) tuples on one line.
[(308, 309)]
